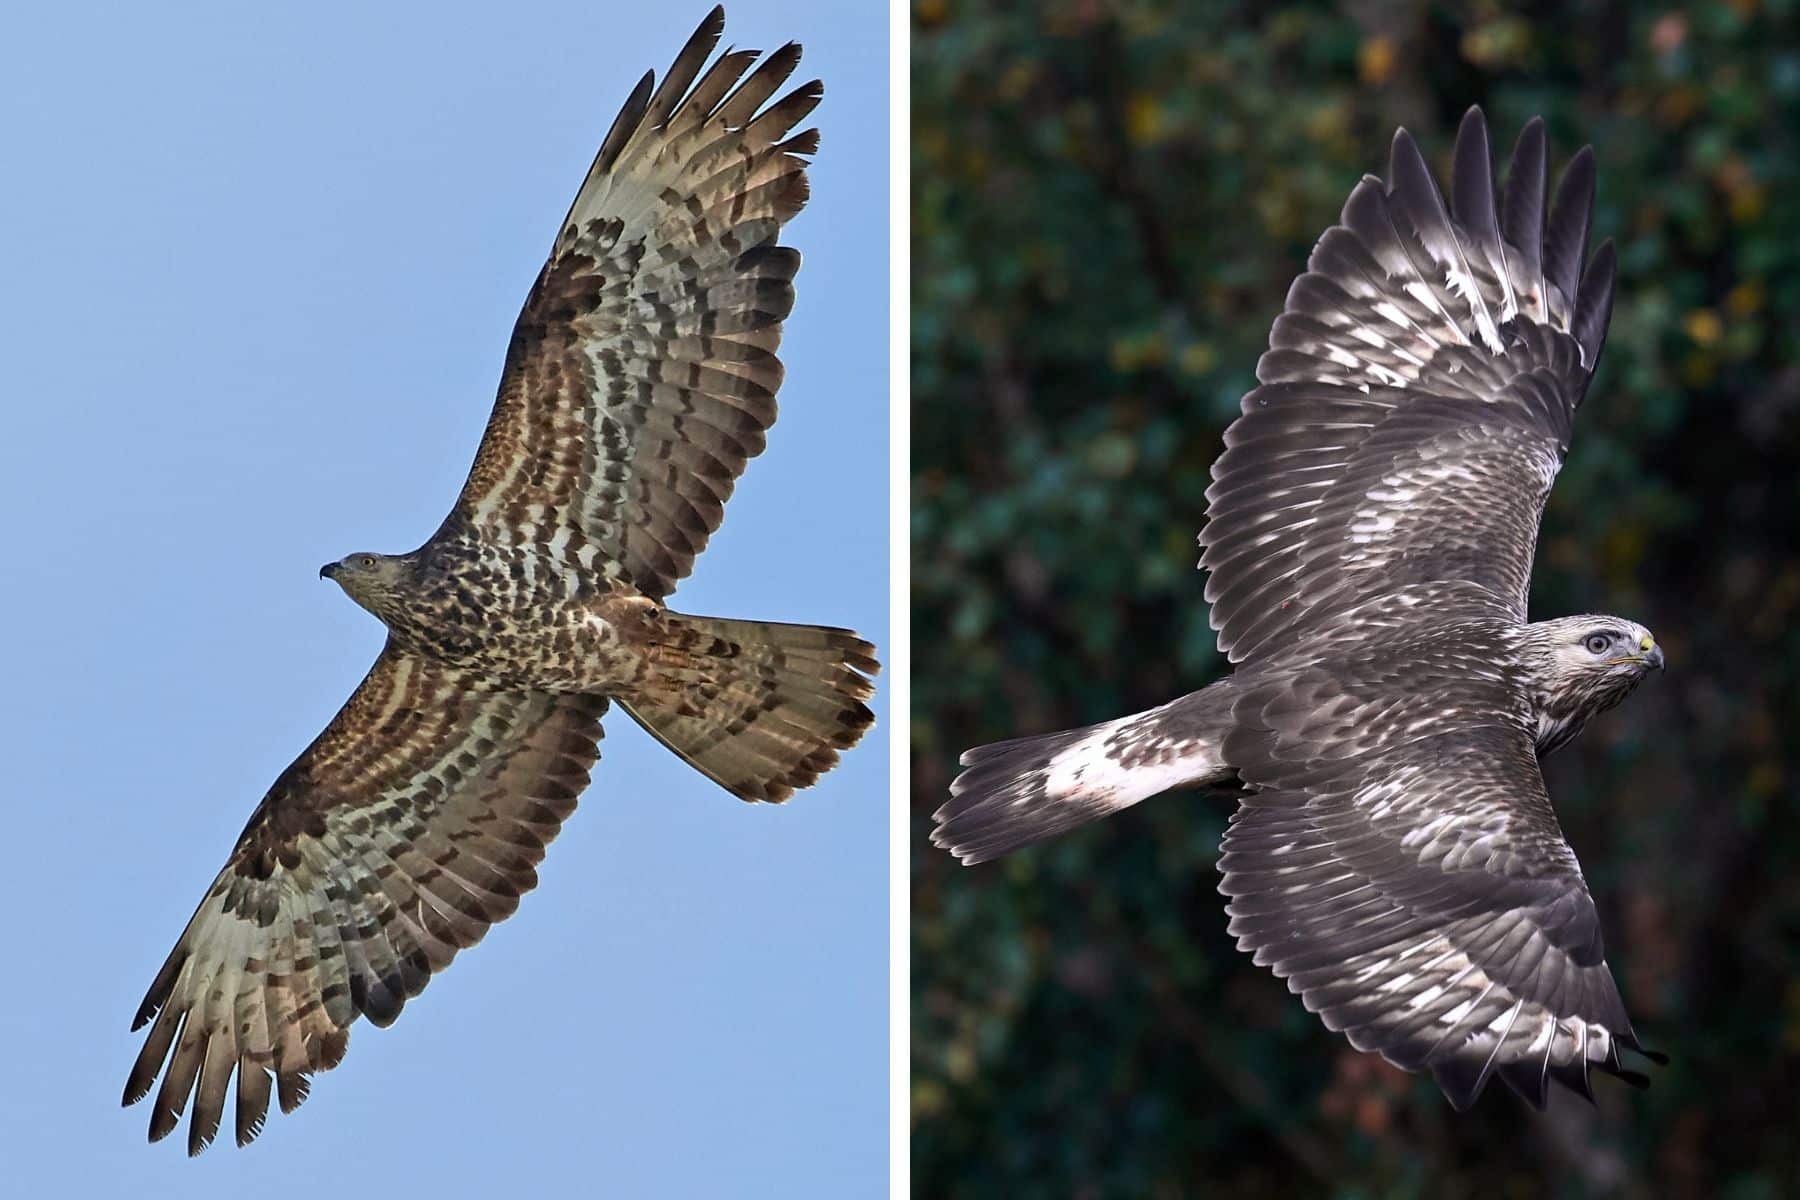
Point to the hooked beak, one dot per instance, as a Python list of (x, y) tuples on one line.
[(1654, 658), (330, 570)]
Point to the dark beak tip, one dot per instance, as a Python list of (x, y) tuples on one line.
[(325, 571)]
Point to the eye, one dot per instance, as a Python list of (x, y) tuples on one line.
[(1597, 643), (368, 560)]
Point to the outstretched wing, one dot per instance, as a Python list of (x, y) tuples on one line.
[(1400, 866), (642, 371), (1415, 401), (414, 821)]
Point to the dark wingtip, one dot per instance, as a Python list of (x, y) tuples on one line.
[(1473, 124), (1473, 128), (1404, 154), (1522, 202), (1593, 304), (1472, 197), (1571, 215)]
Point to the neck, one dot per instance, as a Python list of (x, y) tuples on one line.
[(1557, 728)]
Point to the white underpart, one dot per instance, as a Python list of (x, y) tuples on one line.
[(1087, 769)]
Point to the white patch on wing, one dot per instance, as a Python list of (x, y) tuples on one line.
[(1417, 289), (1425, 997), (1427, 831), (1464, 287), (1386, 376), (1389, 311), (1459, 1012), (1368, 524)]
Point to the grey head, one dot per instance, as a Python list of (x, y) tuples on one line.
[(374, 581), (1583, 666)]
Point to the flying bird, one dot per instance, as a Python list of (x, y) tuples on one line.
[(640, 378), (1369, 537)]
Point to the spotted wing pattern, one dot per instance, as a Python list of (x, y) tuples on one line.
[(414, 822), (1415, 400), (642, 372), (1400, 866)]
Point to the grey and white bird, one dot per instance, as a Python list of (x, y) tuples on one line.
[(1369, 537)]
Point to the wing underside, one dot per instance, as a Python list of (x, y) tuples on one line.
[(1419, 895), (411, 825), (642, 373)]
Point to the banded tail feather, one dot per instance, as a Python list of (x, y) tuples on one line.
[(1017, 792), (758, 707)]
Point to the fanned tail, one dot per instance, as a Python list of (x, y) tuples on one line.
[(760, 708)]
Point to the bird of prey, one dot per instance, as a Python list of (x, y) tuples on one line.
[(640, 378), (1369, 537)]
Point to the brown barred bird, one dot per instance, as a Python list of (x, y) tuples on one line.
[(1369, 538), (640, 378)]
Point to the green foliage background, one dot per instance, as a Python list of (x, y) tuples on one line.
[(1110, 198)]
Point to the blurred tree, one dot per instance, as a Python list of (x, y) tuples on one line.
[(1110, 198)]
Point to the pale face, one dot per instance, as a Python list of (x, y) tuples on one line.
[(1601, 647), (1589, 664), (366, 578)]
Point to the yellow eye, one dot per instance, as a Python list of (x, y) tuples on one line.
[(368, 560)]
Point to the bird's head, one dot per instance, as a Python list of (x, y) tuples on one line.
[(372, 580), (1587, 664)]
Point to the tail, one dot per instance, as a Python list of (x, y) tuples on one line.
[(759, 708), (1027, 789)]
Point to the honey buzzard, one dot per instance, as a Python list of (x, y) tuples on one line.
[(640, 378)]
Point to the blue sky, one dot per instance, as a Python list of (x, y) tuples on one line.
[(260, 269)]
